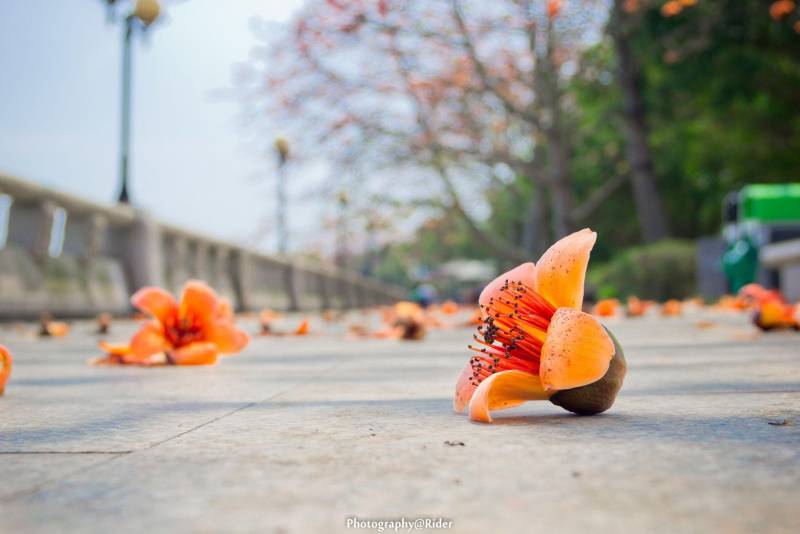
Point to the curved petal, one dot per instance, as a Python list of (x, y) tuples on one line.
[(561, 270), (148, 340), (198, 302), (224, 309), (503, 390), (155, 301), (117, 349), (5, 367), (227, 337), (521, 273), (197, 353), (577, 351), (464, 389)]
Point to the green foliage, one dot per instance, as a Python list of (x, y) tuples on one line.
[(658, 271), (721, 89), (722, 102)]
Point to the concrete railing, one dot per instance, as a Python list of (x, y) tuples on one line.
[(784, 257), (106, 253)]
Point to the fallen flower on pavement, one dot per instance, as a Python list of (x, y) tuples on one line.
[(774, 313), (193, 332), (5, 367), (449, 307), (606, 308), (636, 307), (671, 308), (770, 309), (302, 328), (50, 328), (265, 319), (103, 323), (409, 321), (535, 343)]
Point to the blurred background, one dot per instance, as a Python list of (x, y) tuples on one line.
[(426, 142)]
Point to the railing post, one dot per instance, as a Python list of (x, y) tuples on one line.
[(30, 225), (290, 279), (139, 248)]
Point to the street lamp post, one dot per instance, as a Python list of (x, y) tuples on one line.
[(341, 239), (144, 13), (282, 148)]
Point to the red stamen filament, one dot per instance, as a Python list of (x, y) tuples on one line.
[(504, 341)]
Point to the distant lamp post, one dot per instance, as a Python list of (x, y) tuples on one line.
[(341, 239), (282, 149), (144, 13)]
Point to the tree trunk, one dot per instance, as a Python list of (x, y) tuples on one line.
[(534, 233), (558, 149), (560, 184), (649, 207)]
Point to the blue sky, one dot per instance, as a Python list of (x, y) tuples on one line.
[(59, 109)]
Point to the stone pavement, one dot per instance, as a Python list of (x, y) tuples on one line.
[(298, 434)]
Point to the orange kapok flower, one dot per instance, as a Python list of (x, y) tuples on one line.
[(449, 307), (606, 307), (635, 307), (5, 367), (302, 329), (192, 332), (50, 328), (265, 319), (409, 321), (104, 323), (672, 307), (771, 311), (535, 343)]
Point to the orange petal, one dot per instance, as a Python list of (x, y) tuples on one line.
[(224, 309), (119, 349), (198, 302), (302, 328), (464, 389), (148, 340), (5, 367), (562, 268), (521, 273), (227, 337), (502, 390), (577, 351), (155, 301), (197, 353)]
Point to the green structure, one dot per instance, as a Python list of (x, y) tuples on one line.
[(755, 216)]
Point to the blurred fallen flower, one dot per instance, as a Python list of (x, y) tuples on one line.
[(606, 308), (51, 328), (770, 309), (192, 332), (330, 316), (672, 308), (302, 328), (265, 319), (449, 307), (731, 303), (103, 323), (773, 313), (409, 321), (636, 307), (5, 367), (537, 344)]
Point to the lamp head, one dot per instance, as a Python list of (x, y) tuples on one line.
[(147, 11)]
